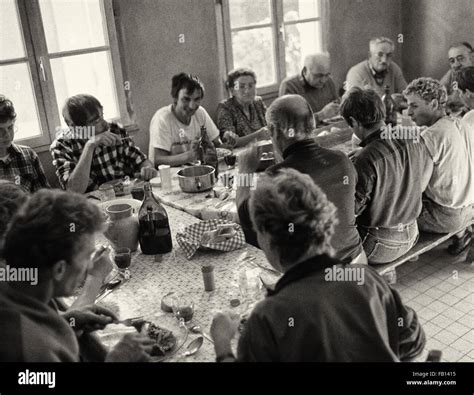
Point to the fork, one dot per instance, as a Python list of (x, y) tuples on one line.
[(130, 321)]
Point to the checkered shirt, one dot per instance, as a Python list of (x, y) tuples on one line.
[(24, 168), (108, 163)]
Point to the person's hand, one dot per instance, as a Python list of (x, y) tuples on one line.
[(264, 133), (230, 138), (224, 326), (89, 318), (249, 160), (105, 139), (353, 154), (193, 153), (101, 265), (330, 110), (148, 172), (133, 347), (400, 102)]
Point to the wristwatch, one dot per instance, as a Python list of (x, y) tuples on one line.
[(222, 358)]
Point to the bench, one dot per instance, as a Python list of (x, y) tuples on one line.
[(341, 140), (426, 242)]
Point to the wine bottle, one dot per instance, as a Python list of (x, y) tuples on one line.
[(389, 103), (154, 232)]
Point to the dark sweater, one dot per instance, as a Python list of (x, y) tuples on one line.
[(309, 318), (334, 173), (31, 331)]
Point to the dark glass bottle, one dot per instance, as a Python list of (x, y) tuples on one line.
[(154, 233), (208, 151), (390, 109)]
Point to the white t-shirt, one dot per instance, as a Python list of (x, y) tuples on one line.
[(451, 146), (169, 134)]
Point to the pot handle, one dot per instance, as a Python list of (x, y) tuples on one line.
[(198, 183)]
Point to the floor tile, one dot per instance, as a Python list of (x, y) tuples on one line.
[(423, 299), (427, 313), (458, 329), (453, 313), (449, 354), (466, 320), (446, 337), (449, 299), (461, 345)]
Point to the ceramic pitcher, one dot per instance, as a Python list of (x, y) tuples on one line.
[(122, 230)]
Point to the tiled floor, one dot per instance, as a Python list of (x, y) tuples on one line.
[(441, 290)]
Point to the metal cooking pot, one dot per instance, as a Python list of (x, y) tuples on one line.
[(196, 178)]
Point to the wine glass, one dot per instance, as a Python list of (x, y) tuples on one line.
[(183, 308)]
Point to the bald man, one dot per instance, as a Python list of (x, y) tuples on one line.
[(315, 85), (378, 71), (290, 121)]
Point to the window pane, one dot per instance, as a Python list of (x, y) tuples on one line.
[(254, 48), (249, 12), (90, 73), (15, 83), (301, 39), (300, 9), (11, 39), (73, 24)]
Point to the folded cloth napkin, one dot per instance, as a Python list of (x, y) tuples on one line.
[(216, 234)]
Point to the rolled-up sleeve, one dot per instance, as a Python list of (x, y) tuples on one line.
[(63, 160)]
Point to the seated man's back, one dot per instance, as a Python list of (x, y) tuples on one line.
[(316, 316)]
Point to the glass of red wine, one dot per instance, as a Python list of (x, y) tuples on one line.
[(183, 308)]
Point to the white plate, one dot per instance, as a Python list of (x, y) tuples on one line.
[(136, 204)]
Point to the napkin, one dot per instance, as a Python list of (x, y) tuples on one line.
[(191, 238)]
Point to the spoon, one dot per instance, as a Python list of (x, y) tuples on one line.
[(198, 329), (193, 347)]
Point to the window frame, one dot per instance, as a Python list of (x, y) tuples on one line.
[(278, 30), (38, 61)]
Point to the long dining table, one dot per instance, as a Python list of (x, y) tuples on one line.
[(151, 279)]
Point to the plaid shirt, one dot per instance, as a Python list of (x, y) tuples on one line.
[(23, 167), (108, 163)]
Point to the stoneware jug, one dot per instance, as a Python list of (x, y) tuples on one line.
[(122, 230)]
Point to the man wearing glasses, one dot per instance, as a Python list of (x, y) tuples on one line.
[(460, 55), (92, 151), (379, 71), (315, 85), (18, 163)]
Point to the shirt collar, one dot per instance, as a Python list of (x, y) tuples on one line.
[(302, 270), (372, 137), (299, 146)]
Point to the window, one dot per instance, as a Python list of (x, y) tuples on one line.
[(53, 49), (271, 36)]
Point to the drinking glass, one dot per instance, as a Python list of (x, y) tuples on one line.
[(183, 308)]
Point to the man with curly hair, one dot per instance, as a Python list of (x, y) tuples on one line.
[(312, 316), (448, 205)]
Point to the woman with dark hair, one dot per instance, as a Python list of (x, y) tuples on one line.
[(241, 118)]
